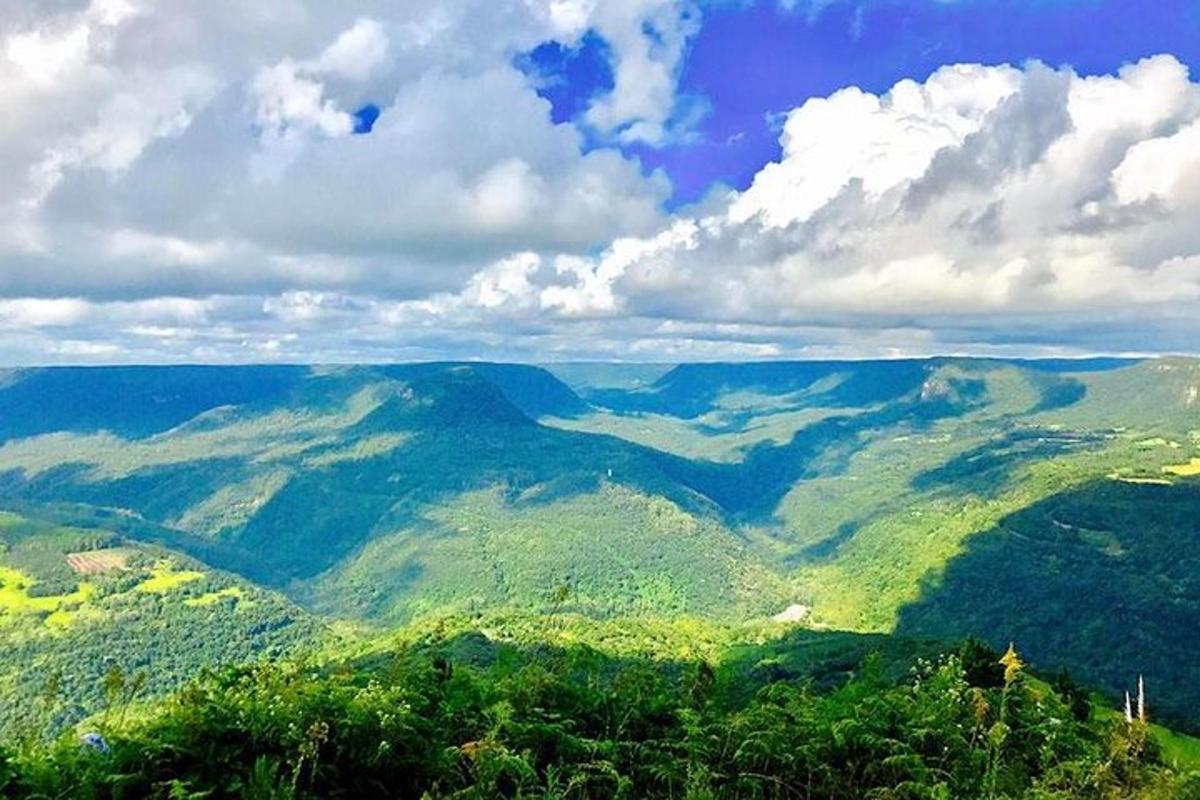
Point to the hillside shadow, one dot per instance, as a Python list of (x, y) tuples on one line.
[(988, 469), (1060, 393), (1069, 580), (752, 489), (133, 402)]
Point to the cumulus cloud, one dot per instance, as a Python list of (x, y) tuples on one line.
[(650, 37), (192, 188), (65, 108), (230, 135), (1007, 196), (290, 101)]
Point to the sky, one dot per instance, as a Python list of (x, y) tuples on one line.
[(632, 180)]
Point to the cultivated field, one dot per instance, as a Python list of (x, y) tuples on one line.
[(94, 562)]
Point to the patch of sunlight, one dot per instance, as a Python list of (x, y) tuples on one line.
[(61, 609), (1185, 470), (1116, 476), (165, 578)]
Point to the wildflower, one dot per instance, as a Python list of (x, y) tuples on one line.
[(979, 706), (1012, 664)]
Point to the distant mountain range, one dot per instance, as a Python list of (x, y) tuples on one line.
[(1049, 502)]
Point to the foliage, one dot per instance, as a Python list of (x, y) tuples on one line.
[(155, 617), (573, 723), (609, 552)]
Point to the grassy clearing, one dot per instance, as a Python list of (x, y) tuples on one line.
[(1178, 749), (212, 598), (1118, 476), (165, 578), (71, 615), (1189, 469), (18, 605)]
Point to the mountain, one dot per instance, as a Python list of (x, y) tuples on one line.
[(130, 401), (920, 498)]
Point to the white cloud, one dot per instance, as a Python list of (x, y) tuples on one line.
[(1163, 169), (649, 38), (126, 243), (357, 52), (286, 100), (136, 138), (592, 291), (65, 107), (881, 142), (185, 186), (43, 57), (985, 190), (985, 204), (152, 106), (290, 101), (507, 195), (35, 312)]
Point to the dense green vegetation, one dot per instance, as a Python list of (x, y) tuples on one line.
[(156, 616), (871, 497), (1101, 579), (460, 715), (613, 551)]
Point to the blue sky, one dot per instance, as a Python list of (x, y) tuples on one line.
[(752, 61)]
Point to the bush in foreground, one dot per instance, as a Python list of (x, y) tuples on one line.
[(573, 723)]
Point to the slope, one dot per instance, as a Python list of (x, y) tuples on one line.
[(80, 606), (1101, 579)]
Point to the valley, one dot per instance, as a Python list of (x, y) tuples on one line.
[(162, 519)]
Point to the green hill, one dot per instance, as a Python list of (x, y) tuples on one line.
[(1101, 579), (77, 605), (859, 496)]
